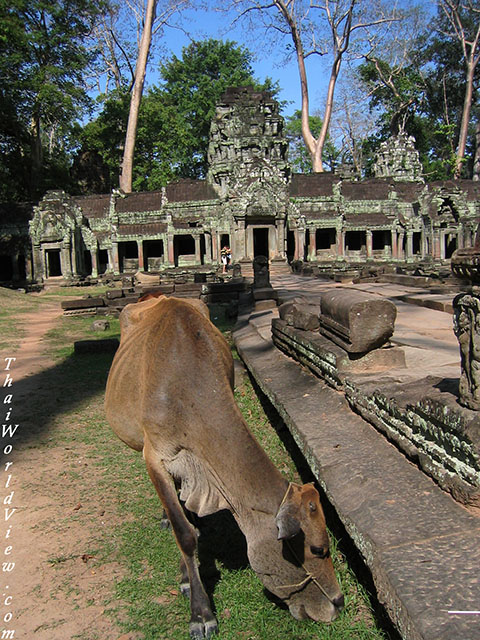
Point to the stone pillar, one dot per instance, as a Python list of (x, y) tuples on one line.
[(272, 243), (409, 252), (198, 255), (394, 244), (369, 245), (436, 244), (208, 248), (249, 252), (280, 226), (400, 249), (115, 258), (299, 244), (215, 243), (65, 260), (461, 237), (340, 242), (312, 244), (240, 241), (170, 250), (94, 255), (141, 260)]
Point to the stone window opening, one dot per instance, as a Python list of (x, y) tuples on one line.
[(356, 241), (184, 249), (417, 243), (153, 254), (102, 261), (128, 255), (325, 239)]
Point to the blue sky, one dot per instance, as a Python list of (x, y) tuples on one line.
[(211, 24)]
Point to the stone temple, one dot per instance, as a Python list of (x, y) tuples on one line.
[(250, 201)]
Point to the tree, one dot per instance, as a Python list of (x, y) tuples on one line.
[(174, 117), (194, 85), (321, 28), (299, 158), (461, 22), (151, 24), (43, 59)]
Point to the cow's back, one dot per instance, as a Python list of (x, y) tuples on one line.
[(172, 369)]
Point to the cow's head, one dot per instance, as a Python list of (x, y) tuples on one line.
[(292, 557)]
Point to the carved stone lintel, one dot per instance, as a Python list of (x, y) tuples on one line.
[(466, 324)]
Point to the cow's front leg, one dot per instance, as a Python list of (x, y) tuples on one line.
[(202, 622)]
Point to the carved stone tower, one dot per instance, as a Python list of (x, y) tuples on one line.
[(249, 170), (397, 158)]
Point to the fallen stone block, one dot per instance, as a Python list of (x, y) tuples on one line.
[(356, 321), (82, 303), (100, 325), (301, 314)]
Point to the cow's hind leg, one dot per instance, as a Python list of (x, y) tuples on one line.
[(202, 622)]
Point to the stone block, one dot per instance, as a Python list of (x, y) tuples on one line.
[(356, 321), (100, 325), (162, 288), (82, 303), (263, 305), (265, 293), (300, 314), (113, 294), (188, 286)]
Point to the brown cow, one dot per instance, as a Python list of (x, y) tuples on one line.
[(169, 394)]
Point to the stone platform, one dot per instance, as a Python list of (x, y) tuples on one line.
[(422, 547)]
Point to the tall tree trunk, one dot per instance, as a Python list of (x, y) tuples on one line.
[(467, 104), (476, 163), (140, 69), (37, 155)]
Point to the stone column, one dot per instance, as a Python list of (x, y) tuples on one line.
[(249, 243), (299, 244), (400, 249), (94, 255), (460, 237), (369, 245), (340, 242), (272, 243), (409, 252), (208, 248), (215, 243), (394, 244), (141, 261), (241, 240), (198, 255), (65, 260), (115, 258), (312, 244), (170, 250), (280, 226)]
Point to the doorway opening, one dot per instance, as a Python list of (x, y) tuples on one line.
[(260, 242), (52, 259)]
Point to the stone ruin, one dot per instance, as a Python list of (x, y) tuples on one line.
[(343, 338)]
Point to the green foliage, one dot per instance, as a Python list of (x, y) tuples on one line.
[(43, 58), (175, 116)]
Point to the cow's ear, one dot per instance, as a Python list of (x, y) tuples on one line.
[(287, 518)]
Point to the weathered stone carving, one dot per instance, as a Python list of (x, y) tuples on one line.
[(466, 324), (301, 314), (261, 273), (356, 321), (397, 158)]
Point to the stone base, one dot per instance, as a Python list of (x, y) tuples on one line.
[(328, 360)]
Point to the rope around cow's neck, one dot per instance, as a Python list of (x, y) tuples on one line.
[(309, 577)]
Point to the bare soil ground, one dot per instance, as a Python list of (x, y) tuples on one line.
[(57, 592)]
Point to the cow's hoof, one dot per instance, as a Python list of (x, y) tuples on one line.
[(165, 523), (200, 630), (185, 589)]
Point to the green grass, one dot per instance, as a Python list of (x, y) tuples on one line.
[(145, 600)]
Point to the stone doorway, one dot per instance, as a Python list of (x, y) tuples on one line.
[(260, 242), (53, 263)]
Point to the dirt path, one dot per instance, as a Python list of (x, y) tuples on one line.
[(49, 581)]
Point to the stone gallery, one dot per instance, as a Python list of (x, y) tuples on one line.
[(251, 202)]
